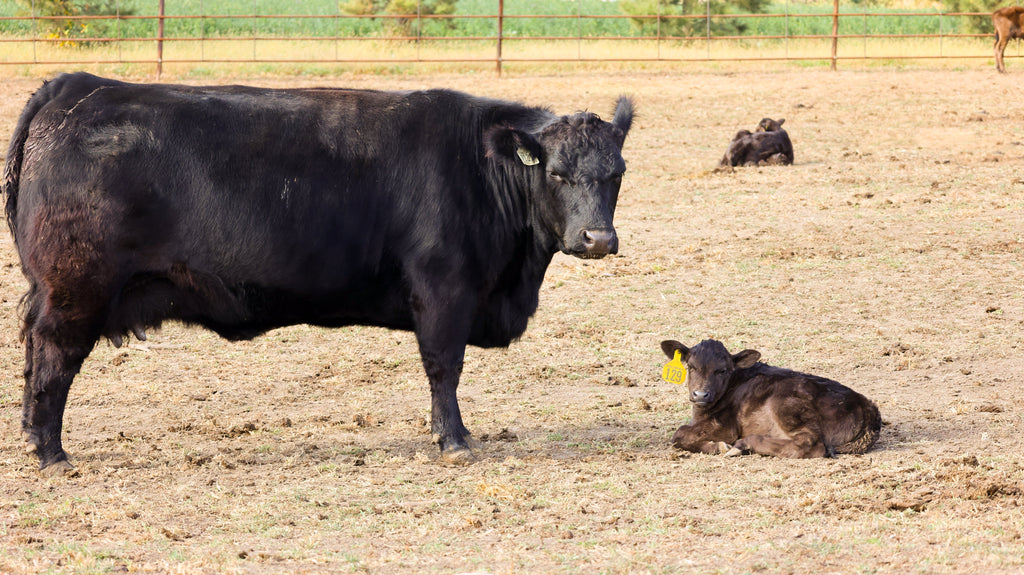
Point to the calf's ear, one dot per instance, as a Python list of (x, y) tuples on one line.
[(508, 143), (746, 358), (669, 346), (623, 119)]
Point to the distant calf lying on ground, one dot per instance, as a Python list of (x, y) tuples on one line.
[(768, 145), (1007, 22), (741, 405)]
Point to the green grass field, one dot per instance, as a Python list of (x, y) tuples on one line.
[(323, 18), (234, 36)]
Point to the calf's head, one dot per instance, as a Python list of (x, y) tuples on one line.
[(770, 125), (709, 367), (573, 169)]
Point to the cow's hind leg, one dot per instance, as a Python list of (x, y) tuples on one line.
[(800, 446), (1000, 48), (56, 344)]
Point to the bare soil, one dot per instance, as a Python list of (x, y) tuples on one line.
[(889, 258)]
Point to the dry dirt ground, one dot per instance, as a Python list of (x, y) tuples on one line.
[(889, 258)]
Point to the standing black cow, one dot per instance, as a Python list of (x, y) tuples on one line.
[(244, 209)]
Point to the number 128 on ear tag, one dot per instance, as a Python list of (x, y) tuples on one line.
[(674, 371)]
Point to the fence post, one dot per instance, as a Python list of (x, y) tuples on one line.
[(35, 33), (707, 26), (160, 42), (501, 27), (835, 32)]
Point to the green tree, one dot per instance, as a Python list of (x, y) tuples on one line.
[(70, 28), (400, 26), (680, 27), (974, 24)]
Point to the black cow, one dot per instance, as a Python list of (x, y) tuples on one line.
[(245, 209), (768, 145)]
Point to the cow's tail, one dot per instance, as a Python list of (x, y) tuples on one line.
[(16, 152), (869, 432)]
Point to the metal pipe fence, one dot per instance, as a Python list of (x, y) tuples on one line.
[(161, 38)]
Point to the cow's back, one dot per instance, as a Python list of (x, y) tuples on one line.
[(244, 209)]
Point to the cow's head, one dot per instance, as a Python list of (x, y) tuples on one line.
[(770, 125), (574, 167), (709, 367)]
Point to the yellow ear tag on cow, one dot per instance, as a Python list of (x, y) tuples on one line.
[(526, 157), (674, 371)]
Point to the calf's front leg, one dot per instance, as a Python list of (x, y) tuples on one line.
[(703, 437)]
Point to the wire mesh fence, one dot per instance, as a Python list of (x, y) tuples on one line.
[(485, 32)]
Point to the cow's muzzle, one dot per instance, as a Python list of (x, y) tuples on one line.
[(701, 398), (596, 244)]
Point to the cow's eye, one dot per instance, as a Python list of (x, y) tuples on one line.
[(555, 177)]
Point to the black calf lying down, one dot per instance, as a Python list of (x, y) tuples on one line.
[(768, 145), (741, 405)]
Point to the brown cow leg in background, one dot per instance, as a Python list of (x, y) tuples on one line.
[(1000, 48)]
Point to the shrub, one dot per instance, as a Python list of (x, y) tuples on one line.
[(682, 27), (399, 26), (71, 28), (972, 24)]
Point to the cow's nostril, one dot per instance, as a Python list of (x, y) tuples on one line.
[(600, 241)]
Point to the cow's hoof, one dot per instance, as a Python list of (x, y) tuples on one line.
[(734, 452), (458, 456), (62, 468), (724, 448)]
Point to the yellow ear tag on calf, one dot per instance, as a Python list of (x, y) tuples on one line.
[(674, 371), (526, 157)]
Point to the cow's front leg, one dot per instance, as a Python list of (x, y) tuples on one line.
[(442, 332), (443, 370)]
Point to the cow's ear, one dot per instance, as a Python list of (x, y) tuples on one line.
[(623, 118), (781, 121), (746, 358), (512, 144), (669, 346)]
